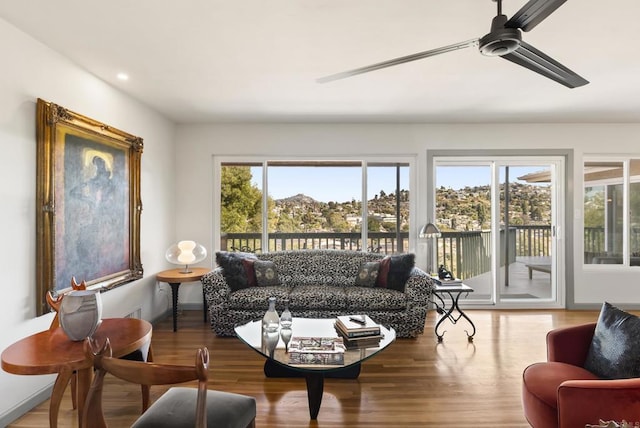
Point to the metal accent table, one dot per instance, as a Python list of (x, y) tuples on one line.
[(453, 292), (174, 277)]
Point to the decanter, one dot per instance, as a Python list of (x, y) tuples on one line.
[(271, 320), (285, 317), (270, 326), (286, 321)]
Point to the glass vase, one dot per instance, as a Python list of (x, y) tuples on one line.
[(80, 313), (270, 326)]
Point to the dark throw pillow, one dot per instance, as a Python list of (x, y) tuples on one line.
[(233, 269), (383, 272), (400, 267), (249, 270), (266, 273), (615, 349), (367, 274)]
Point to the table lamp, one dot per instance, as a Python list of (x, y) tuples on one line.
[(429, 231), (186, 253)]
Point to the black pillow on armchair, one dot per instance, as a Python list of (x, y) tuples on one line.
[(615, 348)]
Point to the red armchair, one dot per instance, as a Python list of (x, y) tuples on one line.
[(560, 393)]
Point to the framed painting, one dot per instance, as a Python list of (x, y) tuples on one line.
[(88, 203)]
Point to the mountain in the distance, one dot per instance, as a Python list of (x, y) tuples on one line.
[(299, 199)]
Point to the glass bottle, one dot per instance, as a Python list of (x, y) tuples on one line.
[(285, 318), (271, 320), (270, 325), (286, 321)]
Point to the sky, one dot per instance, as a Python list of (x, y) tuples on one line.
[(342, 184), (338, 184)]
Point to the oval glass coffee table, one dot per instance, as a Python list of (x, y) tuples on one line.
[(278, 362)]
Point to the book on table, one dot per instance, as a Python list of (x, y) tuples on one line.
[(329, 345), (454, 281), (316, 358), (357, 326), (316, 351), (361, 342)]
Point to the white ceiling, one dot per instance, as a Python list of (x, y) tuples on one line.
[(257, 60)]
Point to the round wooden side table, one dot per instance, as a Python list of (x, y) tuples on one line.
[(51, 351), (174, 277)]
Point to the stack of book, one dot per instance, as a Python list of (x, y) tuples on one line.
[(323, 351), (358, 331), (452, 281)]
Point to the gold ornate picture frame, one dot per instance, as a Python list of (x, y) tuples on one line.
[(88, 203)]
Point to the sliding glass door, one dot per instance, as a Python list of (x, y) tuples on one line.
[(499, 228)]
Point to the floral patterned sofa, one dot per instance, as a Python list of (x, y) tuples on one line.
[(318, 284)]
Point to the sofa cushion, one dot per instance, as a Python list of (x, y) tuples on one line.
[(266, 273), (383, 272), (257, 297), (233, 270), (362, 299), (250, 271), (615, 350), (367, 274), (310, 297), (312, 267), (400, 267)]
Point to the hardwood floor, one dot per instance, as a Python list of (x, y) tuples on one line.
[(413, 383)]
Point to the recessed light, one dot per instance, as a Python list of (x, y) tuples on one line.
[(123, 76)]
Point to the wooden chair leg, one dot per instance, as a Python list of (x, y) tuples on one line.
[(146, 388), (74, 390), (145, 397)]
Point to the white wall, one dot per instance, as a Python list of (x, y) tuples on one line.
[(31, 70), (199, 143)]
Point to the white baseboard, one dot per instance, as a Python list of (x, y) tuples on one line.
[(36, 399)]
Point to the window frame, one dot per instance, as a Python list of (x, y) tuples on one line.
[(626, 195), (365, 160)]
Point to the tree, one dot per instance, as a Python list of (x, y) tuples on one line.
[(481, 212), (240, 201)]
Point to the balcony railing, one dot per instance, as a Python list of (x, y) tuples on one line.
[(466, 254), (379, 242)]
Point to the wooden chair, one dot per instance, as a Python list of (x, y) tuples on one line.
[(179, 406), (142, 354)]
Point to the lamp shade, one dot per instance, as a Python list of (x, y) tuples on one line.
[(186, 253), (429, 230)]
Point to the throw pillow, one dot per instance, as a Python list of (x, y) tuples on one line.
[(367, 274), (250, 272), (400, 267), (383, 272), (615, 350), (266, 273), (233, 270)]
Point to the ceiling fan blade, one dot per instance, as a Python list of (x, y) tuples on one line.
[(398, 61), (533, 13), (535, 60)]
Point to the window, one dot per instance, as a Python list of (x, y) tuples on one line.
[(612, 189), (291, 205)]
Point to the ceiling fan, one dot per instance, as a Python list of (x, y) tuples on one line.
[(504, 40)]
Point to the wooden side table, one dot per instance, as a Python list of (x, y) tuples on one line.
[(174, 278), (51, 351)]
